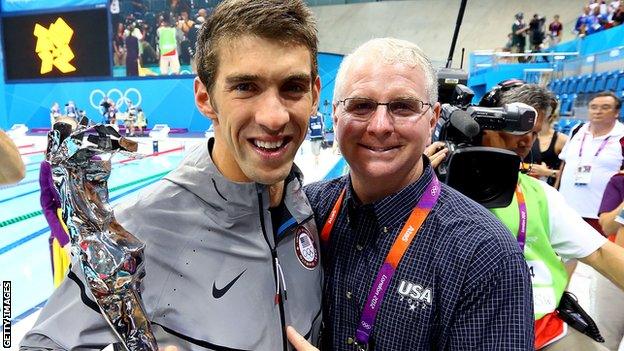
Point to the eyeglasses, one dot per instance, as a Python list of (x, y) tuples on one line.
[(363, 108), (601, 107)]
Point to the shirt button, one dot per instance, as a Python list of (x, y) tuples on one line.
[(385, 229), (349, 295), (350, 340), (359, 247)]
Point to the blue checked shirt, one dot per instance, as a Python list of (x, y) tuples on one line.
[(462, 285)]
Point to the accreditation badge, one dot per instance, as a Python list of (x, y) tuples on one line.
[(582, 176)]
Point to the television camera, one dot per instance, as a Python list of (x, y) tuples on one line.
[(485, 174)]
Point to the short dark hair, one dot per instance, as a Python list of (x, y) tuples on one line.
[(288, 21), (618, 102)]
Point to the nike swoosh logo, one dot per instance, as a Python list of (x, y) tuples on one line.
[(218, 293)]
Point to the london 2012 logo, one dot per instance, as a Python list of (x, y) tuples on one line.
[(53, 46), (306, 250)]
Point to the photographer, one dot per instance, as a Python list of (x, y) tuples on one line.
[(552, 230)]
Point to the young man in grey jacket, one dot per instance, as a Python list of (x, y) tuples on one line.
[(232, 251)]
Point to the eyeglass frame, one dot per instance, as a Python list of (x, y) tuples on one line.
[(387, 104)]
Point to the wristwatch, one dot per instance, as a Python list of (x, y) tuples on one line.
[(553, 174)]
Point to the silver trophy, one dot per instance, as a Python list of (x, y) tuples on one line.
[(111, 258)]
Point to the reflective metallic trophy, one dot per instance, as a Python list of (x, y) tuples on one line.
[(111, 258)]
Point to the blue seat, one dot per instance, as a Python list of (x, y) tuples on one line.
[(567, 101), (567, 86), (585, 84), (591, 83), (620, 82), (577, 85), (612, 80), (601, 82)]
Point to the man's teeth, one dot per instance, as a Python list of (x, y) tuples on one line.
[(268, 144)]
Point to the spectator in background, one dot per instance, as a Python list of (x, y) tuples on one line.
[(618, 15), (592, 156), (131, 116), (609, 299), (55, 113), (555, 29), (548, 146), (315, 127), (71, 110), (177, 6), (536, 27), (132, 51), (187, 27), (104, 105), (111, 114), (11, 164), (168, 47), (138, 8), (141, 121), (119, 46), (148, 53), (596, 21), (519, 31), (582, 22)]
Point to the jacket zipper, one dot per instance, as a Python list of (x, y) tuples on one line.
[(276, 273)]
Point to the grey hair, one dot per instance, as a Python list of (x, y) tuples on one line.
[(391, 51), (533, 95)]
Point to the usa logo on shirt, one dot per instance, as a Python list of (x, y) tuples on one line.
[(306, 250)]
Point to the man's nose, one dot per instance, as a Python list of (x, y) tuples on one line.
[(271, 113), (381, 122)]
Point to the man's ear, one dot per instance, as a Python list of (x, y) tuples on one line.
[(437, 109), (203, 101), (316, 94)]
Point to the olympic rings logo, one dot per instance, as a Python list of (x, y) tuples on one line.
[(116, 95)]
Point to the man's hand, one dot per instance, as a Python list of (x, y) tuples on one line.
[(168, 348), (436, 152), (298, 341)]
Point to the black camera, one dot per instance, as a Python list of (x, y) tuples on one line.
[(485, 174)]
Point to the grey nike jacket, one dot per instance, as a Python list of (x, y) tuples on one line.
[(213, 268)]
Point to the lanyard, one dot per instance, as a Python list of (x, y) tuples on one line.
[(600, 148), (522, 209), (398, 249)]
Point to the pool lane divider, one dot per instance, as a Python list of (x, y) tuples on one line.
[(39, 212), (42, 231), (33, 152), (122, 162), (25, 146)]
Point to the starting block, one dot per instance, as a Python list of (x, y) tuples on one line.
[(160, 131)]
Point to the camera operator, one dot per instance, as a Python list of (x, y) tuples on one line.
[(552, 229)]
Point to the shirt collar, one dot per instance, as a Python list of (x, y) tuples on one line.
[(392, 210)]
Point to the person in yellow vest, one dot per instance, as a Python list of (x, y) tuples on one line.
[(553, 230), (168, 38)]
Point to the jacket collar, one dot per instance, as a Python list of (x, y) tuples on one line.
[(198, 174)]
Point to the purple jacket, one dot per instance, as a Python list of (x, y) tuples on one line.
[(50, 203)]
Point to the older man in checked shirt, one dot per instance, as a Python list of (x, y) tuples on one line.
[(410, 263)]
